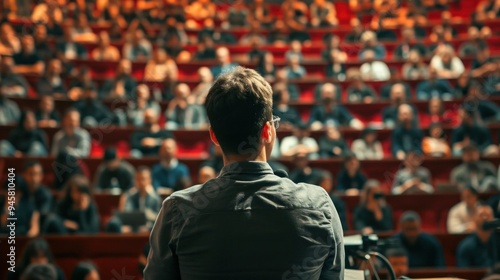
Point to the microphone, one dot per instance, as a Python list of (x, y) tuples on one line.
[(493, 224), (281, 173)]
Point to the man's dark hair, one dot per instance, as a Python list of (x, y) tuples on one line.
[(410, 216), (30, 163), (40, 272), (238, 105)]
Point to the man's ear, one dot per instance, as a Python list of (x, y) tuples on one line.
[(212, 136), (267, 133)]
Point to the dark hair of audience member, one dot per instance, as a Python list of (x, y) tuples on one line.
[(35, 249), (82, 270)]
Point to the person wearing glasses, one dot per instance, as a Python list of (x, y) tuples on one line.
[(247, 223)]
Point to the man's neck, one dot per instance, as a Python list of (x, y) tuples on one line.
[(228, 159)]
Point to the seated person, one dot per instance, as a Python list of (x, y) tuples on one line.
[(398, 258), (26, 139), (161, 67), (13, 84), (434, 87), (372, 69), (114, 173), (479, 249), (323, 14), (472, 45), (288, 114), (408, 44), (123, 85), (350, 179), (302, 172), (181, 114), (9, 41), (406, 136), (135, 110), (137, 48), (169, 174), (332, 144), (142, 197), (27, 61), (367, 146), (412, 178), (415, 68), (299, 142), (147, 141), (92, 111), (76, 212), (295, 49), (224, 63), (396, 78), (474, 172), (206, 49), (397, 98), (70, 49), (461, 217), (358, 90), (81, 31), (200, 92), (71, 138), (52, 82), (437, 113), (26, 215), (266, 66), (424, 250), (335, 68), (237, 14), (369, 42), (105, 51), (281, 82), (488, 111), (293, 69), (331, 113), (372, 214), (200, 10), (46, 115), (354, 36), (435, 144), (471, 132), (446, 63)]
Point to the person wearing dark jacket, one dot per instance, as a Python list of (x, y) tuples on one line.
[(146, 142), (92, 110), (372, 214), (123, 85), (114, 173), (52, 82), (288, 114), (85, 270), (46, 115), (26, 139), (434, 87), (350, 179), (406, 136), (12, 84), (332, 144)]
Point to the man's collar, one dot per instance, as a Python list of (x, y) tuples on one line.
[(246, 167)]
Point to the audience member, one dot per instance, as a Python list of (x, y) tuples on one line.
[(46, 115), (302, 172), (206, 49), (113, 174), (181, 114), (434, 87), (216, 161), (81, 31), (470, 131), (92, 111), (137, 47), (413, 177), (372, 214), (161, 67), (408, 44), (266, 67), (406, 136), (69, 48), (486, 110), (104, 50), (330, 112), (295, 18), (350, 179), (354, 36), (200, 92), (293, 69), (478, 249), (51, 83), (335, 68), (461, 216), (142, 197), (358, 90), (45, 10), (281, 82), (397, 98), (424, 250), (396, 78), (332, 144), (435, 143), (76, 212), (83, 81), (224, 63), (13, 84), (27, 61), (367, 147), (289, 117), (40, 271), (488, 9), (260, 12), (123, 85), (9, 42), (85, 270), (415, 68), (372, 69), (169, 174), (323, 14), (299, 142), (369, 42), (143, 102), (446, 63), (472, 45), (200, 10), (477, 173), (146, 142), (483, 64), (26, 215), (71, 138), (436, 113), (26, 139), (398, 258)]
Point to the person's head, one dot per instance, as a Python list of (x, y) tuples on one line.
[(483, 53), (470, 196), (447, 54), (356, 24), (301, 160), (77, 187), (333, 132), (436, 106), (27, 121), (408, 34), (301, 130), (82, 21), (46, 103), (296, 46), (371, 192), (168, 149), (446, 17), (28, 44), (182, 91), (470, 154), (432, 73), (398, 258), (111, 159), (205, 173), (71, 120), (413, 159), (7, 65), (333, 42), (369, 55), (223, 56), (32, 173), (475, 90), (351, 163), (142, 178), (89, 93), (410, 226), (466, 115), (369, 135), (268, 58), (85, 270), (328, 93), (397, 94), (68, 34), (55, 67), (484, 213), (39, 272), (205, 75), (414, 56), (293, 60), (150, 117), (239, 108), (436, 130), (405, 114), (103, 39), (369, 39), (142, 92), (281, 96), (6, 31), (37, 251), (472, 33), (40, 32), (124, 67), (160, 56), (137, 36)]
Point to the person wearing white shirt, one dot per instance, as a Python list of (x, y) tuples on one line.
[(461, 216), (368, 146), (446, 63), (299, 142), (373, 70)]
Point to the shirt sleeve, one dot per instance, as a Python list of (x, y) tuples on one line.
[(162, 259)]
